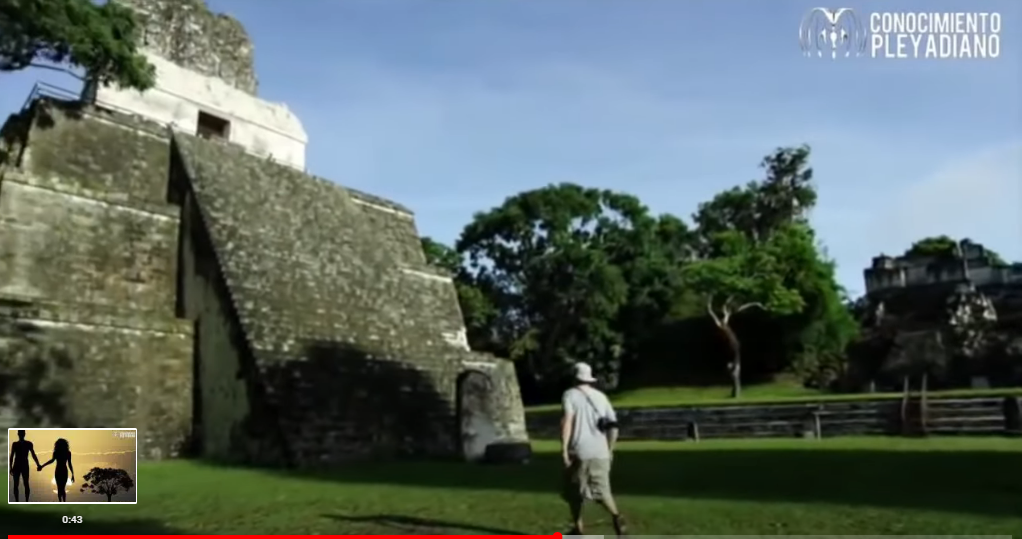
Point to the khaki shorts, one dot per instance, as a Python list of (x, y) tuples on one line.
[(587, 480)]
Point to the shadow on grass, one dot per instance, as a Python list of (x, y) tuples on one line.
[(17, 522), (422, 526), (976, 482)]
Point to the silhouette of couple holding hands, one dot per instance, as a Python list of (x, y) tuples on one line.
[(20, 452)]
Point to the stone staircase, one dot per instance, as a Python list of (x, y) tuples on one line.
[(346, 346)]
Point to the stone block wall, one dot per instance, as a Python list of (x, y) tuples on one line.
[(433, 300), (62, 246), (88, 225), (429, 294), (88, 254), (222, 403), (394, 225), (108, 369), (343, 403), (108, 157)]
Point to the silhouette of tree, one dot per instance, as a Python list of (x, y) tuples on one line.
[(107, 481)]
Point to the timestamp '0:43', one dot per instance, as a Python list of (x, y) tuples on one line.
[(71, 520)]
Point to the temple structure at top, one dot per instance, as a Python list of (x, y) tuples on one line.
[(206, 82)]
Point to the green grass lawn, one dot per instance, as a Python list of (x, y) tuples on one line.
[(838, 486), (778, 392)]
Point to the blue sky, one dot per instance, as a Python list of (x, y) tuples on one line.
[(449, 106)]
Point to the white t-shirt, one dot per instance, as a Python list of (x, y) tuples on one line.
[(588, 441)]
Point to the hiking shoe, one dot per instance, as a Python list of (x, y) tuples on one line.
[(572, 531), (619, 525)]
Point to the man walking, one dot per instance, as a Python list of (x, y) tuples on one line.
[(588, 434), (20, 451)]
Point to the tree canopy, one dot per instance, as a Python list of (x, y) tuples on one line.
[(745, 275), (441, 256), (549, 262), (566, 272), (785, 195), (102, 39), (943, 246)]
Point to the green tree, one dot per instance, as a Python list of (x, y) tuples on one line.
[(651, 255), (825, 327), (814, 339), (100, 38), (476, 309), (550, 262), (480, 316), (784, 196), (441, 256), (746, 275), (943, 246), (933, 246)]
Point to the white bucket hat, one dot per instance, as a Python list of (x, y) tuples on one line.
[(584, 373)]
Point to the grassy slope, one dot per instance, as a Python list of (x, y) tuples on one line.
[(759, 394), (838, 486)]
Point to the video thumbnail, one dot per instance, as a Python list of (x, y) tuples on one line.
[(72, 465)]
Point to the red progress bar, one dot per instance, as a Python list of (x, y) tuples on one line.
[(551, 536)]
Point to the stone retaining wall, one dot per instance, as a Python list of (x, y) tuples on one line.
[(946, 416)]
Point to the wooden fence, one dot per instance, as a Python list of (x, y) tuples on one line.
[(939, 416)]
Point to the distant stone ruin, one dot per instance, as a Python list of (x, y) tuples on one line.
[(166, 263), (956, 318), (973, 264)]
